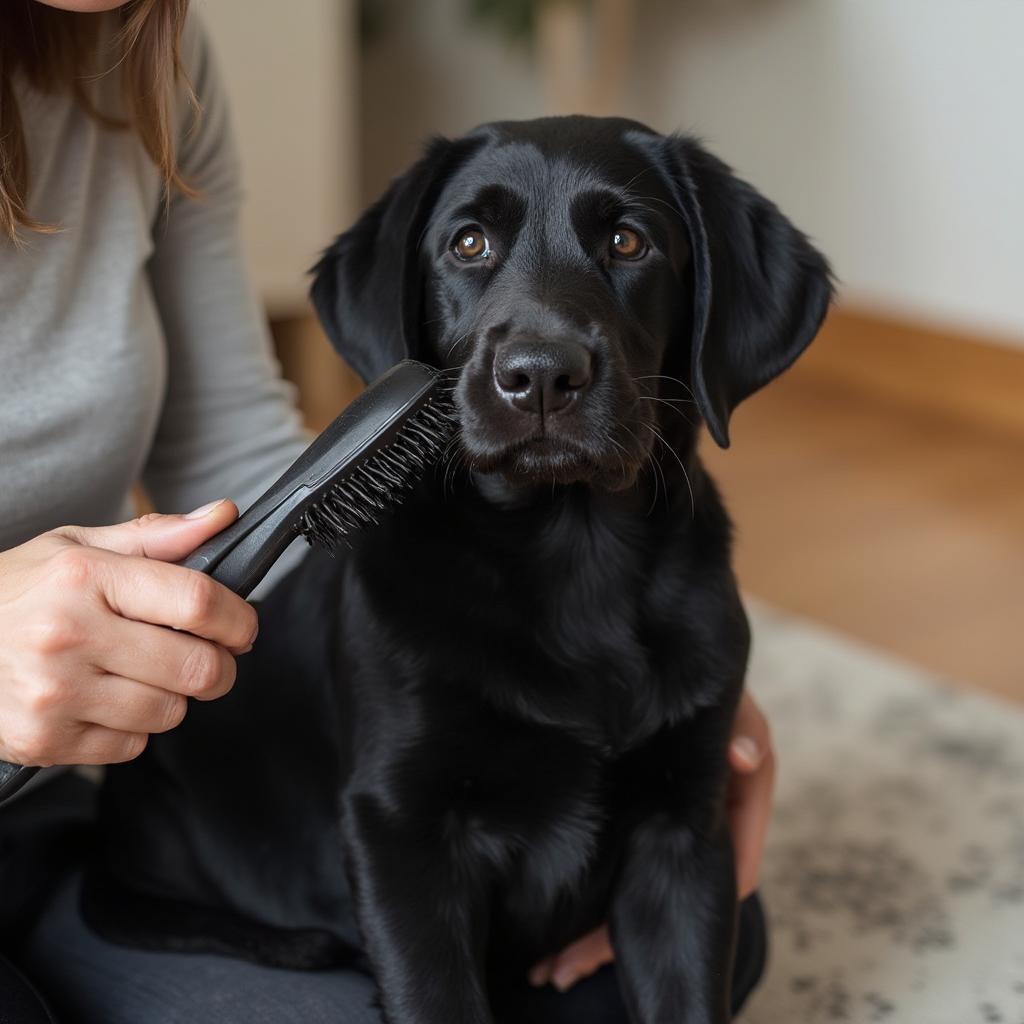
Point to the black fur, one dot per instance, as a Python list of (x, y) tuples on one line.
[(504, 716)]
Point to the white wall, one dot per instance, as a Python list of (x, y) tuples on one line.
[(292, 74), (890, 131)]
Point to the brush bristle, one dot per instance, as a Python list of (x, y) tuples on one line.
[(383, 479)]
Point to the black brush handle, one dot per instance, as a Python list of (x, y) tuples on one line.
[(243, 553)]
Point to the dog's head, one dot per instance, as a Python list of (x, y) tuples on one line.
[(577, 275)]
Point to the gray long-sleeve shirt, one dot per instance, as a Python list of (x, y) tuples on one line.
[(131, 343)]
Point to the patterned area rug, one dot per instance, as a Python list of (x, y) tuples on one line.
[(894, 876)]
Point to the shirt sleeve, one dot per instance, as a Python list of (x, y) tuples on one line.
[(229, 424)]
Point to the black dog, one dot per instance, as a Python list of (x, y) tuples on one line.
[(504, 716)]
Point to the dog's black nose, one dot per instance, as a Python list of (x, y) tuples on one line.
[(541, 376)]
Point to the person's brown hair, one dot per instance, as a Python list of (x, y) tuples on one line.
[(57, 50)]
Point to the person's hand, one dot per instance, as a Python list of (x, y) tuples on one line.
[(88, 667), (752, 758), (750, 804)]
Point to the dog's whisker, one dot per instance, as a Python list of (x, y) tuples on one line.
[(458, 341), (621, 452), (656, 472), (661, 376), (668, 405), (675, 455), (668, 401), (640, 445), (451, 457), (646, 449), (647, 458), (449, 465)]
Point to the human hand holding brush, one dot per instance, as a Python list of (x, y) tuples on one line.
[(88, 667), (68, 608)]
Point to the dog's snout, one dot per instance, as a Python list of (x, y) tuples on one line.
[(541, 376)]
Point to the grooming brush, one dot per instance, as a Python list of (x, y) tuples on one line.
[(364, 462)]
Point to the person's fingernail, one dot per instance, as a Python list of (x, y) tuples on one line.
[(747, 749), (538, 975), (564, 978), (205, 510)]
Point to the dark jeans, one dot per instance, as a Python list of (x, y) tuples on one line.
[(89, 981)]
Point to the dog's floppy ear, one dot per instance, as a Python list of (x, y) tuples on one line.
[(760, 289), (366, 286)]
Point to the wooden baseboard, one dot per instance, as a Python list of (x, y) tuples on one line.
[(924, 370)]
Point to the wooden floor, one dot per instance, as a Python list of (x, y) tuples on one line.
[(885, 514), (878, 487)]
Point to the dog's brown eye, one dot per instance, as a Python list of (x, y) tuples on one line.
[(470, 244), (628, 244)]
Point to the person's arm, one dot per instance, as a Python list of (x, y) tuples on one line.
[(229, 424), (87, 668)]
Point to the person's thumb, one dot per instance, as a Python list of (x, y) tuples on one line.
[(167, 538)]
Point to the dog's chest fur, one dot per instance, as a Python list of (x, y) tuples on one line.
[(515, 671)]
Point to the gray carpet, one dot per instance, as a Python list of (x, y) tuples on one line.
[(894, 875)]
